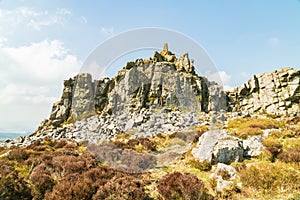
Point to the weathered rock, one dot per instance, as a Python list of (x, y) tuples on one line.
[(218, 147), (228, 149), (253, 146), (61, 109), (276, 92), (83, 97), (225, 175), (129, 125), (162, 84)]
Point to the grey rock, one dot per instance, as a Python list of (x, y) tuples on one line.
[(83, 97), (205, 146), (224, 183), (253, 146), (276, 92), (228, 149), (129, 125), (218, 147)]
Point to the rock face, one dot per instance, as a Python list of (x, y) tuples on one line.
[(61, 109), (83, 97), (218, 146), (161, 81), (277, 92)]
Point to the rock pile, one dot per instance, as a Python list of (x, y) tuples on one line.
[(146, 123)]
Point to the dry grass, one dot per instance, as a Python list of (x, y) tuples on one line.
[(263, 179), (244, 127)]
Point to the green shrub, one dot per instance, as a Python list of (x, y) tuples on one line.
[(203, 166)]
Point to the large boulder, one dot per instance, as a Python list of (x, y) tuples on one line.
[(217, 146)]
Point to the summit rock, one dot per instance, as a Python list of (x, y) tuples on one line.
[(162, 81)]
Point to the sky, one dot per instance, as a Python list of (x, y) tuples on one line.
[(44, 42)]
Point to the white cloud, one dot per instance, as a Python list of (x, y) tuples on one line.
[(24, 17), (46, 61), (3, 40), (31, 80), (220, 77), (83, 20), (60, 17), (107, 31), (273, 41)]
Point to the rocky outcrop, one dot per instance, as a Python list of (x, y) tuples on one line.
[(83, 97), (61, 109), (277, 92), (150, 96), (163, 81)]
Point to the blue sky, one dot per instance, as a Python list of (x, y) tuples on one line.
[(43, 42)]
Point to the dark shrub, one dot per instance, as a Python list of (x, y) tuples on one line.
[(290, 156), (60, 144), (145, 142), (5, 168), (274, 150), (137, 162), (2, 149), (64, 189), (123, 160), (122, 188), (68, 164), (42, 180), (18, 154), (12, 186), (72, 187), (182, 186)]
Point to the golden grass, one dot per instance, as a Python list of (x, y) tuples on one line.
[(245, 127), (264, 179)]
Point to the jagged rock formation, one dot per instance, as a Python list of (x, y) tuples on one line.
[(276, 92), (161, 81), (165, 81)]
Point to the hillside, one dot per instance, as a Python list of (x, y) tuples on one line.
[(157, 130)]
